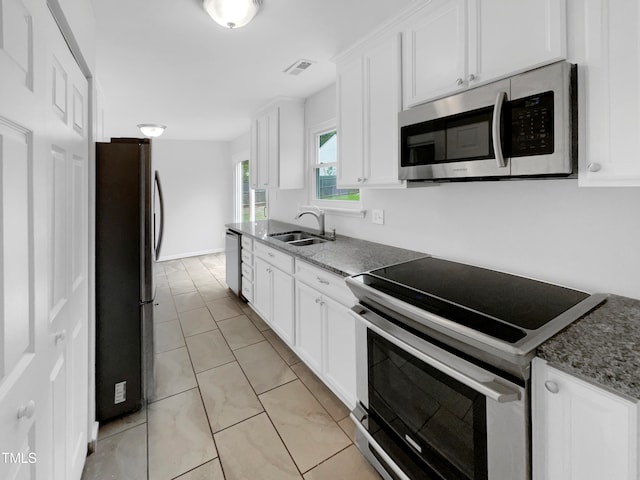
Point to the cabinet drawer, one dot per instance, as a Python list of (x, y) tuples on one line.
[(247, 289), (325, 282), (247, 271), (247, 257), (275, 257), (247, 242)]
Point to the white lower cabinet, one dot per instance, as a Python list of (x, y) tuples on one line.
[(581, 431), (325, 332), (273, 298)]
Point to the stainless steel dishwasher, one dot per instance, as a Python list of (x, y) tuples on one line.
[(233, 259)]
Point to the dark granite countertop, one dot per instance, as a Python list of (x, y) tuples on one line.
[(344, 256), (603, 347)]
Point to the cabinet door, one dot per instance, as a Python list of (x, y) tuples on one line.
[(382, 103), (508, 36), (282, 304), (262, 149), (273, 147), (434, 53), (605, 43), (262, 288), (309, 325), (350, 124), (253, 156), (581, 432), (339, 351)]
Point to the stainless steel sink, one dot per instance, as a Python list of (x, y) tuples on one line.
[(298, 238)]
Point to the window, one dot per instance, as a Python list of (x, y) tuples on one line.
[(251, 205), (324, 156)]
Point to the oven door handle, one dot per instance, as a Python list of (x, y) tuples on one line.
[(384, 455), (448, 364)]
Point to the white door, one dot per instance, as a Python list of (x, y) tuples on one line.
[(43, 234), (67, 180), (339, 354), (282, 304)]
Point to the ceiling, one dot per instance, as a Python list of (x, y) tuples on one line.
[(168, 62)]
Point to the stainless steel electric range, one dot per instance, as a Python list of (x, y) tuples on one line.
[(443, 361)]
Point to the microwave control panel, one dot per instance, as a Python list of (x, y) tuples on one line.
[(531, 125)]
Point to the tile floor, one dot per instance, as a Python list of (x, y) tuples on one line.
[(232, 400)]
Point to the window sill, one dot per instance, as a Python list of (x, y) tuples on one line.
[(337, 211)]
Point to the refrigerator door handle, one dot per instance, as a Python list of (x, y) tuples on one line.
[(161, 232)]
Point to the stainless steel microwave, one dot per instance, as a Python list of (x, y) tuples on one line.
[(524, 126)]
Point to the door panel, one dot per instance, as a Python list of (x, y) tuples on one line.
[(309, 325)]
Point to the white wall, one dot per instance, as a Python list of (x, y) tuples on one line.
[(586, 238), (197, 184)]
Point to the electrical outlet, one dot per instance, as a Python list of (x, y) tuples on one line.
[(377, 216), (121, 392)]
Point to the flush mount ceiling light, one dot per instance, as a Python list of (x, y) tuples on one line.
[(232, 13), (151, 129)]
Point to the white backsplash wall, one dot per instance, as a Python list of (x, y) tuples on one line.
[(197, 183), (585, 238)]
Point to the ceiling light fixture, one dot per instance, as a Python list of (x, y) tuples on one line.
[(151, 129), (232, 13)]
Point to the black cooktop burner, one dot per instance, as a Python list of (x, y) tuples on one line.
[(476, 297)]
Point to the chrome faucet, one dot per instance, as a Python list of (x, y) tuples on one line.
[(319, 216)]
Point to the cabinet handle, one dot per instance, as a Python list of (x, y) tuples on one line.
[(268, 270), (27, 410), (359, 180), (270, 254), (594, 167), (60, 336), (321, 302), (459, 82), (471, 77), (551, 386), (317, 300), (322, 281)]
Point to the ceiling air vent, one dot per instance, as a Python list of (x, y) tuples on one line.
[(298, 67)]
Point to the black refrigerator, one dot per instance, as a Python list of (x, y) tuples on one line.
[(128, 241)]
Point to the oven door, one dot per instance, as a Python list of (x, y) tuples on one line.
[(425, 412)]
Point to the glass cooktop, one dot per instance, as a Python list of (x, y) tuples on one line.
[(498, 304)]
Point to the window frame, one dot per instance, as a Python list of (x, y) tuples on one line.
[(313, 134), (238, 160)]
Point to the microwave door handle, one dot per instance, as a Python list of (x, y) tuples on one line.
[(495, 129)]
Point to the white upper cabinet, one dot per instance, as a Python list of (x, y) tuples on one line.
[(451, 45), (277, 146), (434, 54), (369, 99), (580, 431), (604, 41)]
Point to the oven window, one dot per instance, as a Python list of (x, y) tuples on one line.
[(433, 418)]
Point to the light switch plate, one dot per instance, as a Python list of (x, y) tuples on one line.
[(377, 216)]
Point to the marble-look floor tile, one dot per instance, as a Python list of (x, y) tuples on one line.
[(167, 336), (173, 266), (252, 450), (326, 397), (212, 290), (223, 308), (188, 301), (255, 318), (263, 366), (348, 427), (179, 287), (196, 321), (164, 310), (285, 352), (179, 436), (239, 332), (208, 350), (121, 456), (209, 471), (122, 424), (309, 433), (228, 397), (349, 464), (174, 373)]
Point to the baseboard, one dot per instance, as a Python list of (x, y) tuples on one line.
[(164, 258)]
